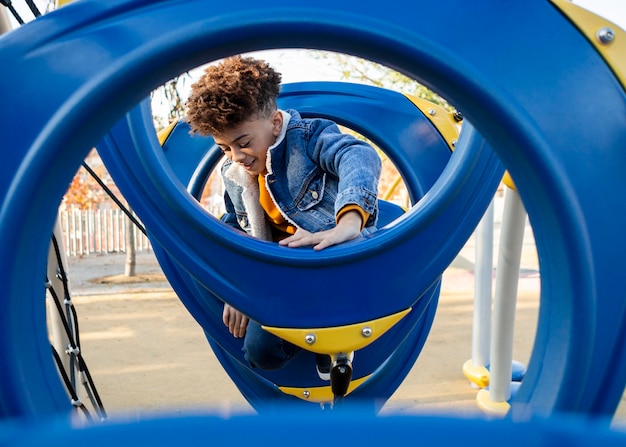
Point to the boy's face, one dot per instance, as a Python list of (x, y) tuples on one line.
[(247, 143)]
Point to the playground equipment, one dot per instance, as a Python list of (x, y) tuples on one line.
[(419, 150), (563, 158)]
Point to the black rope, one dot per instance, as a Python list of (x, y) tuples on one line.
[(114, 198), (9, 5), (71, 390), (33, 8), (74, 339), (74, 345), (82, 366)]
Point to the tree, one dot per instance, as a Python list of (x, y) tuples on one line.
[(130, 266), (167, 101), (367, 72), (84, 192), (363, 71)]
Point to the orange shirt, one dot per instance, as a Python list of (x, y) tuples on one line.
[(278, 221)]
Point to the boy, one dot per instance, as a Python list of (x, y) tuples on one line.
[(300, 182)]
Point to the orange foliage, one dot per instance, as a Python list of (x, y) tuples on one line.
[(84, 192)]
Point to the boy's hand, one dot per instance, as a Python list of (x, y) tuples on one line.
[(235, 321), (348, 228)]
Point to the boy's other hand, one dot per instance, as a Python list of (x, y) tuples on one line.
[(348, 228)]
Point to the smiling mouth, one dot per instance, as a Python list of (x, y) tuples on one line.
[(248, 165)]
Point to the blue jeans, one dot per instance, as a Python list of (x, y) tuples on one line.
[(266, 351)]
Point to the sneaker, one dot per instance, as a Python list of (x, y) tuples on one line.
[(322, 365)]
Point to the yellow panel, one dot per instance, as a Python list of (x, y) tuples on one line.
[(443, 120), (478, 375), (612, 49), (163, 134), (319, 394), (508, 181), (332, 340), (498, 409)]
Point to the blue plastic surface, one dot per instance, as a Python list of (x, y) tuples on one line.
[(308, 429), (554, 113)]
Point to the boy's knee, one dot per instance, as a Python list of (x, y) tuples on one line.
[(268, 356)]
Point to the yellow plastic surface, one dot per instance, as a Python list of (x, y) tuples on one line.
[(332, 340), (508, 181), (478, 375), (589, 24), (322, 394), (498, 409), (164, 134)]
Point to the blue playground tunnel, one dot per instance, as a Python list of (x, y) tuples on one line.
[(530, 90), (382, 365)]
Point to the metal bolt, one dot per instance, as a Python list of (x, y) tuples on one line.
[(605, 35), (306, 394), (432, 112), (309, 339), (454, 143), (366, 331)]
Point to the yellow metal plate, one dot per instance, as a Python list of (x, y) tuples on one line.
[(332, 340), (443, 120), (321, 394)]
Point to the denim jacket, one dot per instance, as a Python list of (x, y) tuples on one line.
[(313, 170)]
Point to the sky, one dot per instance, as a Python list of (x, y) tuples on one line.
[(613, 10)]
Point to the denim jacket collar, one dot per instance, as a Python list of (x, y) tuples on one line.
[(279, 139), (250, 195)]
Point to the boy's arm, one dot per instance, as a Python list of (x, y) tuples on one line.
[(230, 217), (355, 163)]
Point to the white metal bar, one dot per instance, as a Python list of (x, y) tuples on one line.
[(505, 299)]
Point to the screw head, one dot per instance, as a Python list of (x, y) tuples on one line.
[(605, 35), (306, 394), (366, 331), (432, 112), (309, 339)]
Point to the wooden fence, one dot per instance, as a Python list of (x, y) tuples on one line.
[(98, 231)]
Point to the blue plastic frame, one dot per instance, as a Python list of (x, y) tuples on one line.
[(514, 69)]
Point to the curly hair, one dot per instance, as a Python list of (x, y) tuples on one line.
[(232, 92)]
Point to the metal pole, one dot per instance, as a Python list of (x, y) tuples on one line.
[(483, 277), (505, 300)]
